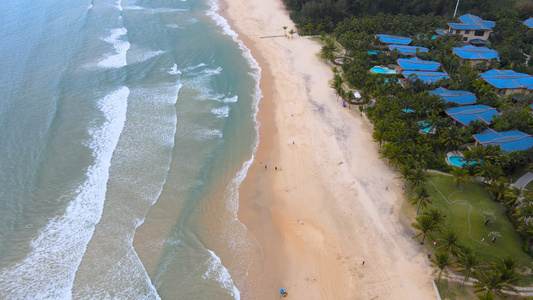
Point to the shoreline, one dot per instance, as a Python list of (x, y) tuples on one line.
[(347, 215)]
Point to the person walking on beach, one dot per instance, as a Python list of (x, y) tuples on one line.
[(363, 264), (265, 166)]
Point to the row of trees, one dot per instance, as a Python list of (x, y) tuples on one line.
[(325, 14)]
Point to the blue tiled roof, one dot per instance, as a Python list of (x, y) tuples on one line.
[(509, 140), (426, 77), (508, 79), (442, 32), (471, 22), (459, 97), (471, 52), (407, 50), (529, 23), (469, 113), (417, 64), (393, 39)]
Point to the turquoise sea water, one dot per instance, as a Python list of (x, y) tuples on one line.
[(127, 127)]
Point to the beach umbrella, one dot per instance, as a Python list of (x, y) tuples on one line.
[(282, 291)]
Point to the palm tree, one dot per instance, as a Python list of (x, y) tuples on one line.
[(394, 153), (451, 137), (467, 262), (448, 242), (425, 225), (507, 268), (422, 198), (486, 296), (489, 281), (427, 222), (406, 171), (441, 261), (488, 217), (498, 188), (489, 171), (460, 175), (292, 32), (494, 235), (285, 29), (418, 177)]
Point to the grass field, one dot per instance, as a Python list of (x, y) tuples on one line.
[(463, 207)]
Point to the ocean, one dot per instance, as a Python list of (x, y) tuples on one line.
[(126, 129)]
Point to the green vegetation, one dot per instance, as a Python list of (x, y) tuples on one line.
[(464, 208), (323, 15)]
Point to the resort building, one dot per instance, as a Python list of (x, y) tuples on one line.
[(393, 39), (408, 50), (443, 32), (472, 28), (507, 82), (460, 97), (529, 23), (416, 64), (508, 140), (476, 54), (426, 77), (464, 115)]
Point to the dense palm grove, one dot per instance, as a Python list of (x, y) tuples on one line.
[(395, 111)]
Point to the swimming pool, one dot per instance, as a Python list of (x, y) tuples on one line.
[(372, 52), (458, 161), (424, 127), (382, 70)]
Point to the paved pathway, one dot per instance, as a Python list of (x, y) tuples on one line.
[(524, 180)]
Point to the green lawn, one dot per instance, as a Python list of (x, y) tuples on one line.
[(463, 215)]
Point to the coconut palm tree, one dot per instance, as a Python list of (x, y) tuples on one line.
[(486, 296), (498, 188), (441, 261), (427, 222), (460, 175), (418, 177), (285, 30), (448, 242), (489, 171), (292, 32), (406, 171), (507, 267), (490, 282), (467, 262), (422, 198), (452, 137)]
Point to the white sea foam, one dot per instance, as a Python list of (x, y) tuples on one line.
[(141, 56), (218, 272), (174, 70), (231, 99), (48, 271), (119, 5), (221, 112), (232, 195), (121, 47), (174, 26)]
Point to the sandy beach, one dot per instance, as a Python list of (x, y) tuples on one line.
[(326, 208)]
